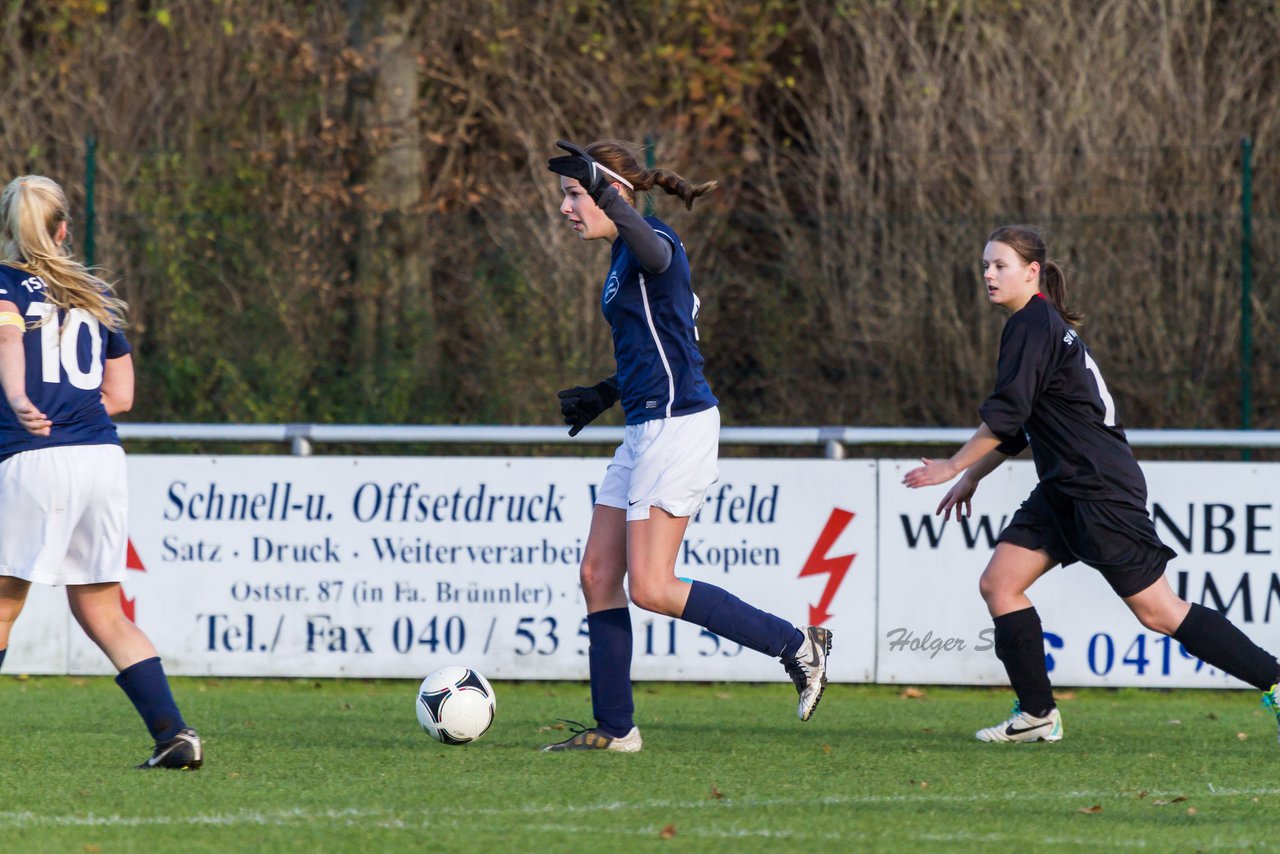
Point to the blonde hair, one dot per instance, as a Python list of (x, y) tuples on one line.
[(31, 210)]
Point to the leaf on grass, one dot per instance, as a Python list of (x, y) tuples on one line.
[(911, 694), (91, 849), (667, 832), (1093, 810), (1242, 735), (1163, 803), (549, 728), (1064, 695), (723, 695), (826, 748), (1174, 722), (1143, 794), (716, 794), (1192, 811)]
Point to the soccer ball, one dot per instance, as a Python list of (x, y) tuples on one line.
[(455, 705)]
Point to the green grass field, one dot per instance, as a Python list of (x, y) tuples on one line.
[(342, 766)]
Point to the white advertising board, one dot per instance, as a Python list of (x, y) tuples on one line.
[(1222, 518), (391, 567)]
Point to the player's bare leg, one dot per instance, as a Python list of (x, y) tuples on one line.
[(13, 595), (1020, 644), (604, 566)]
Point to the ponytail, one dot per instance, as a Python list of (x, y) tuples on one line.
[(1054, 284), (621, 157), (32, 211)]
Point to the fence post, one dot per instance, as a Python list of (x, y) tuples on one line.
[(1246, 284), (90, 212)]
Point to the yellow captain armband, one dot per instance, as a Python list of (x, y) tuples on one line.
[(10, 318)]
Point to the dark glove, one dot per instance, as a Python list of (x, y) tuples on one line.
[(582, 167), (581, 405)]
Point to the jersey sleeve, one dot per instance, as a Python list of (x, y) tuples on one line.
[(653, 253), (1024, 350), (116, 345)]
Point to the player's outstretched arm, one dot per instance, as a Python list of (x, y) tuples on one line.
[(933, 472)]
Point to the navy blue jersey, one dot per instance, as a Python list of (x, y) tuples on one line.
[(655, 334), (65, 359), (1050, 394)]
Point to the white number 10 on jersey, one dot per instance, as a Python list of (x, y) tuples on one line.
[(58, 347)]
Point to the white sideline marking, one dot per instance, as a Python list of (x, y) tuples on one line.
[(405, 820)]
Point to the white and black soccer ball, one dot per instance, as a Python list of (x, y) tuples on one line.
[(455, 705)]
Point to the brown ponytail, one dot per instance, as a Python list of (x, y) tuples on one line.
[(1029, 245), (622, 158)]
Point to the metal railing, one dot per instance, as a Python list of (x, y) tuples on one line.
[(833, 440)]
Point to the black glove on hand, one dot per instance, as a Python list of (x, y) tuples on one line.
[(582, 167), (581, 405)]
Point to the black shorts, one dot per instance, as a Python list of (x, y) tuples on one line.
[(1116, 538)]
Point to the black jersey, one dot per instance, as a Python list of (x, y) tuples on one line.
[(1050, 394)]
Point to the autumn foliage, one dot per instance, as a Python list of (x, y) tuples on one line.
[(341, 212)]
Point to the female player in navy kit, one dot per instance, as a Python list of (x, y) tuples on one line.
[(659, 475), (1091, 501), (65, 369)]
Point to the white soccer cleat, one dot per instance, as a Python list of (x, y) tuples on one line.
[(808, 670), (1024, 727), (593, 739)]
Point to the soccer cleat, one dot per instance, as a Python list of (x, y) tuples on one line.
[(1271, 702), (808, 670), (181, 751), (590, 738), (1023, 727)]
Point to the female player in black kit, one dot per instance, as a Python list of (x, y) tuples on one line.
[(1090, 504), (658, 477)]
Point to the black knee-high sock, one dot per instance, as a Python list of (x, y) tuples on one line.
[(1212, 638), (1020, 647), (2, 652)]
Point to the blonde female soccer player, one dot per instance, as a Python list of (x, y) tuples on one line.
[(65, 369)]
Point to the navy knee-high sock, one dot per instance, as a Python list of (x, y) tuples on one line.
[(1019, 645), (732, 619), (609, 657), (147, 688), (2, 652), (1212, 638)]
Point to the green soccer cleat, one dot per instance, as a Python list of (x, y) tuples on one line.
[(1271, 702)]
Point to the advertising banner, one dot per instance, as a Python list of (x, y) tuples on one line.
[(1222, 518), (392, 567)]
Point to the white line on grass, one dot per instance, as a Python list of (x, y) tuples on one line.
[(397, 820)]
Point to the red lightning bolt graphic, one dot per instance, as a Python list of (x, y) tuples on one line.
[(818, 564), (132, 562)]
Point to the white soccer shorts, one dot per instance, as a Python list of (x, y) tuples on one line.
[(64, 515), (667, 462)]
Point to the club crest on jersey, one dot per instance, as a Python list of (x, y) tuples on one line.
[(611, 286)]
